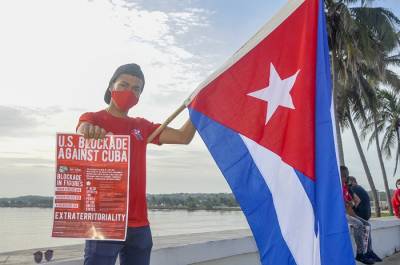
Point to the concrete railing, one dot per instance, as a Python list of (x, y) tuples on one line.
[(238, 247), (385, 235), (233, 247)]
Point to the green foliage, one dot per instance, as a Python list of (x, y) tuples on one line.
[(188, 201), (192, 201), (364, 43), (27, 201)]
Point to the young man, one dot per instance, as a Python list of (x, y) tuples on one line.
[(396, 199), (363, 208), (123, 93), (361, 228)]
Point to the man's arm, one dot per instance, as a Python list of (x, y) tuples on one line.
[(356, 200), (349, 209), (184, 135)]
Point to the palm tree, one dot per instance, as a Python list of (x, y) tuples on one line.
[(342, 24), (363, 99), (359, 38), (374, 111), (353, 109), (389, 123), (381, 24), (340, 27), (378, 113)]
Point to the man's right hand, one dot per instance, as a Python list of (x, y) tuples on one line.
[(91, 131)]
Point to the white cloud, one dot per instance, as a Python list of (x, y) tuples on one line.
[(63, 52), (56, 61), (25, 121), (57, 58)]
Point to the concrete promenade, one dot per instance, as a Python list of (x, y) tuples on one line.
[(392, 260), (64, 255), (231, 247), (70, 254)]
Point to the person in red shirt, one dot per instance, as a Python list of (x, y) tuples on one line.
[(396, 199), (123, 93)]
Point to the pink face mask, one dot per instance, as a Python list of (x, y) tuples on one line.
[(124, 99)]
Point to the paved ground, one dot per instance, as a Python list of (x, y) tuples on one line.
[(25, 257), (66, 253), (392, 260)]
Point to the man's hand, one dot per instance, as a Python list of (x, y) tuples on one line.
[(89, 130), (356, 200), (349, 209)]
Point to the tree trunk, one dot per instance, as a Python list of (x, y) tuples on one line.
[(366, 168), (385, 181), (335, 99)]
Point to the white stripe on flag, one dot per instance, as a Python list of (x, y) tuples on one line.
[(293, 207)]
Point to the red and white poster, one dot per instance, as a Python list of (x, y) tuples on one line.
[(91, 191)]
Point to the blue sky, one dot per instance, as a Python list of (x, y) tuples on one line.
[(56, 59)]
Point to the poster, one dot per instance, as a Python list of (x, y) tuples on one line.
[(91, 187)]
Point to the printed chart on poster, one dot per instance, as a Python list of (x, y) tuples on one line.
[(91, 187)]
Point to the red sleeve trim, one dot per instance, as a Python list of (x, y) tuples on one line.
[(86, 117)]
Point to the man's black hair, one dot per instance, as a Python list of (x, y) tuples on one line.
[(344, 170), (353, 179), (130, 69)]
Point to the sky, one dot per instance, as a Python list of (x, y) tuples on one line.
[(56, 58)]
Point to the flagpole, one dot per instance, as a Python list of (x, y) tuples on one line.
[(167, 121)]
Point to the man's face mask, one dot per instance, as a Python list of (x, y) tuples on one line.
[(124, 99)]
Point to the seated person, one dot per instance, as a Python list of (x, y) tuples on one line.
[(363, 207), (361, 227)]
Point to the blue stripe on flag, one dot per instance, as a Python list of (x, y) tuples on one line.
[(248, 186), (334, 235)]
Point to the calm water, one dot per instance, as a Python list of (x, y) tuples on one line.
[(26, 228)]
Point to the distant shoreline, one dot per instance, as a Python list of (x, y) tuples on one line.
[(221, 209), (178, 201)]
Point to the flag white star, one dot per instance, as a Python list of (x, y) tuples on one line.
[(277, 93)]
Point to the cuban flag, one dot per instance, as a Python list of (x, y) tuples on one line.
[(266, 117)]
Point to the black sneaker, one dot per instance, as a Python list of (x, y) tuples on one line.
[(364, 259), (373, 256)]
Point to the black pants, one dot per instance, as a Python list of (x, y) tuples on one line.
[(135, 250)]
